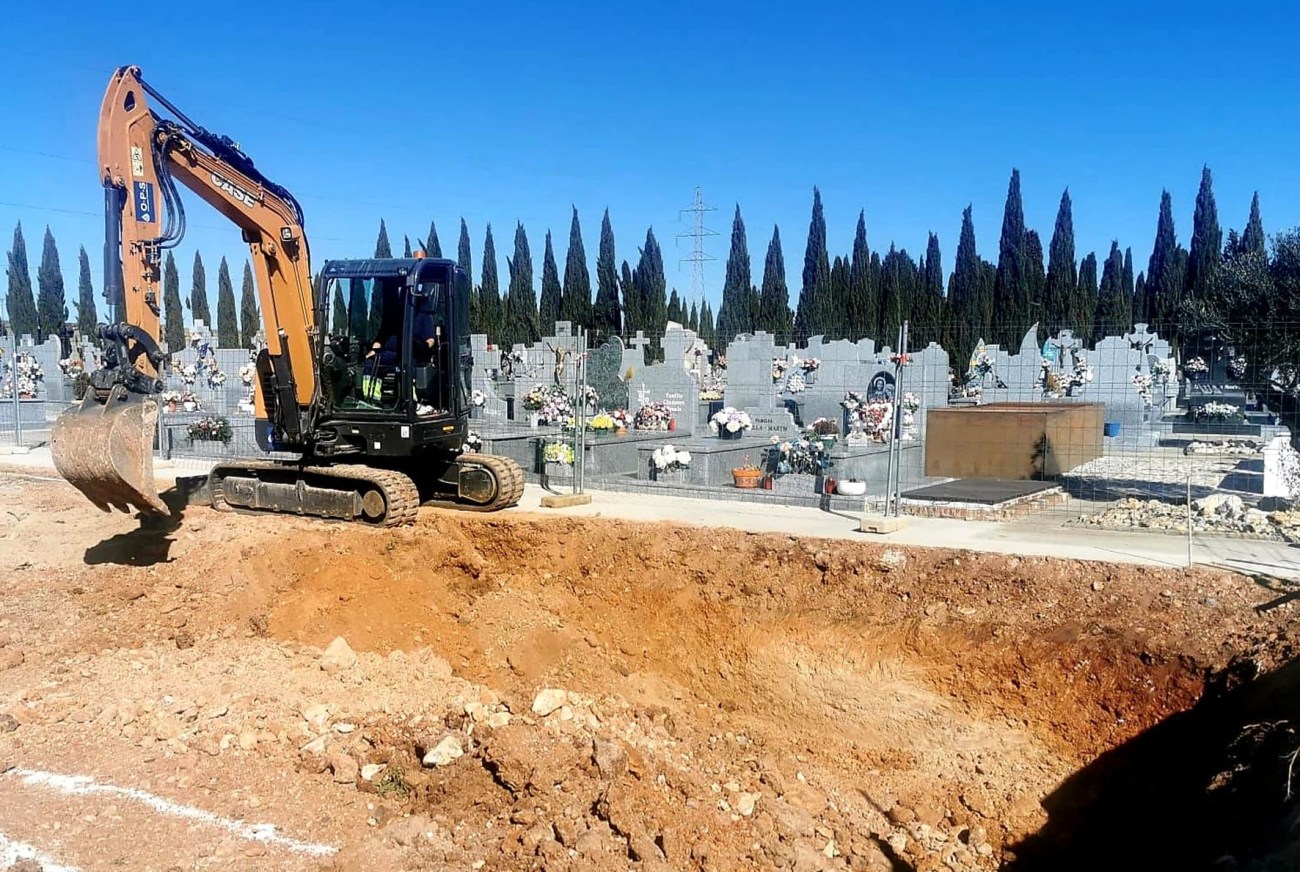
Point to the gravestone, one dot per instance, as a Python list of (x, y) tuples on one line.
[(605, 374), (671, 382)]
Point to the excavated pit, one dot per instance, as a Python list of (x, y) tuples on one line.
[(717, 699)]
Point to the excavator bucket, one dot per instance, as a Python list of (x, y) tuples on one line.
[(105, 449)]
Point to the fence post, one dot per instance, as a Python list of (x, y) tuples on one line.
[(1189, 521)]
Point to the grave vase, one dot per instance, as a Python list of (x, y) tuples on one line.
[(534, 419)]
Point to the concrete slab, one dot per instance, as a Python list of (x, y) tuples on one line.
[(880, 524), (565, 501)]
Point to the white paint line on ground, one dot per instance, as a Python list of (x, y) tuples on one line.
[(12, 850), (84, 785)]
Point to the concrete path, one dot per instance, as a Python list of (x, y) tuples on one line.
[(1042, 535)]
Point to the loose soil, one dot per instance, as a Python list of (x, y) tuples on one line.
[(626, 696)]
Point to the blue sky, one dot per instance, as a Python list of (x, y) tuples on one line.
[(513, 111)]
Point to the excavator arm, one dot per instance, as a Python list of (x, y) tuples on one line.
[(103, 445)]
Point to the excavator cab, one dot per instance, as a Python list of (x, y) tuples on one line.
[(395, 359)]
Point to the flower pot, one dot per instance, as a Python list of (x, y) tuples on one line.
[(534, 419), (171, 406), (828, 486), (621, 431), (746, 478), (724, 433), (672, 424), (828, 442), (190, 406), (851, 488), (767, 482)]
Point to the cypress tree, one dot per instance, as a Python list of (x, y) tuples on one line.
[(810, 316), (432, 247), (927, 318), (1112, 310), (199, 310), (693, 319), (652, 284), (575, 305), (632, 320), (1127, 284), (675, 308), (1062, 272), (1252, 241), (339, 324), (406, 247), (892, 295), (358, 317), (382, 248), (861, 316), (965, 323), (463, 259), (1035, 279), (774, 299), (19, 300), (1163, 287), (840, 291), (734, 316), (1207, 241), (382, 251), (606, 318), (87, 320), (173, 316), (1010, 290), (548, 305), (708, 331), (521, 303), (1086, 297), (51, 301), (227, 314), (250, 321), (489, 294), (1139, 302)]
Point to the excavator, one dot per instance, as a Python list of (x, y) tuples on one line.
[(363, 421)]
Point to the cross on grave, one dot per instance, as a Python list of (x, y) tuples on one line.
[(639, 342)]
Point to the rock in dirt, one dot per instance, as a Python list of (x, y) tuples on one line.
[(745, 803), (27, 864), (548, 700), (9, 658), (338, 657), (317, 716), (609, 757), (370, 770), (343, 767), (8, 723), (444, 753)]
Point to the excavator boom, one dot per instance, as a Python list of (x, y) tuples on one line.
[(104, 444)]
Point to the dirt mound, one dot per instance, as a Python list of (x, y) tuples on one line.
[(531, 691)]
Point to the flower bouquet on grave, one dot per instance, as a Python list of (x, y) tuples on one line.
[(654, 416), (210, 429), (216, 378), (1217, 413), (730, 423), (666, 459), (878, 419), (558, 452), (72, 366), (795, 383), (602, 424), (473, 443), (747, 475), (778, 370), (1195, 369), (1079, 376), (1142, 384), (798, 456), (622, 421), (1237, 368)]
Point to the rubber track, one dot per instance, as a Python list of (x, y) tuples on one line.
[(510, 484), (400, 493)]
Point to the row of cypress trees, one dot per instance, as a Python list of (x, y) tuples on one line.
[(861, 294)]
